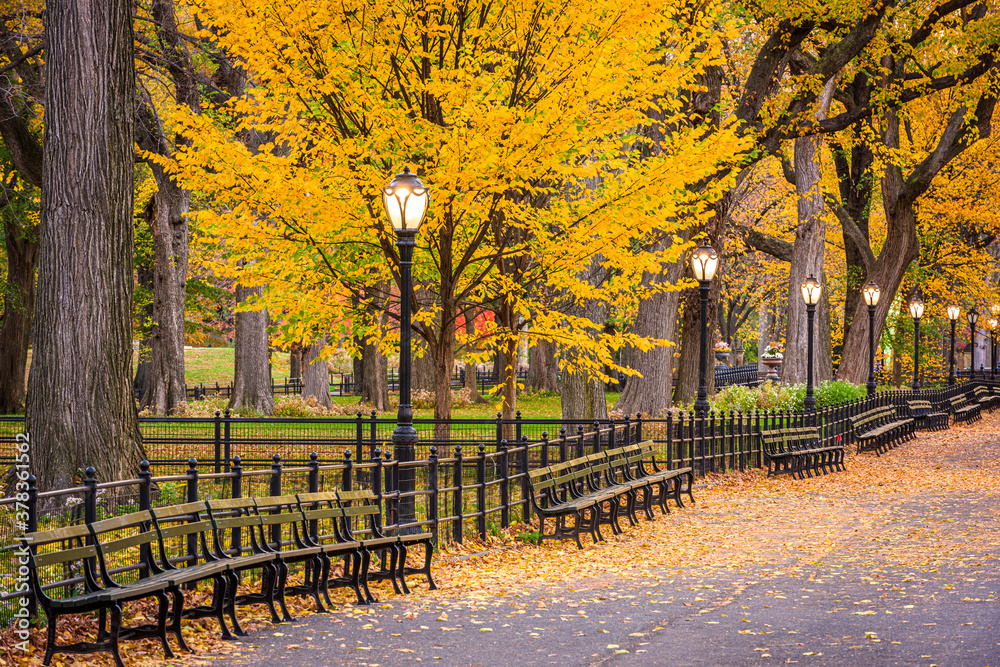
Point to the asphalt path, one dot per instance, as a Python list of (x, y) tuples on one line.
[(847, 606)]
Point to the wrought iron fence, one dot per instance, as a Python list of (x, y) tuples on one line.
[(468, 478)]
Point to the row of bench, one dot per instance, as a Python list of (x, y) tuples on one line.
[(597, 489), (797, 450), (98, 568)]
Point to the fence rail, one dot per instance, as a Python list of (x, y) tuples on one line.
[(463, 485)]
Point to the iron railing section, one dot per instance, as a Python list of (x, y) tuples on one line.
[(468, 486)]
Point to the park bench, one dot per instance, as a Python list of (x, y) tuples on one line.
[(880, 428), (986, 399), (592, 488), (362, 523), (101, 566), (798, 451), (65, 581), (637, 467), (965, 411), (926, 417)]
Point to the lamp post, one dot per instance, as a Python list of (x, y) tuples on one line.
[(973, 317), (872, 294), (811, 290), (916, 312), (993, 349), (405, 200), (704, 264), (953, 313)]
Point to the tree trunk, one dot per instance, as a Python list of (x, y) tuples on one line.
[(807, 260), (168, 224), (252, 375), (375, 373), (80, 410), (543, 371), (444, 364), (140, 383), (316, 374), (422, 375), (295, 361), (651, 392), (18, 308)]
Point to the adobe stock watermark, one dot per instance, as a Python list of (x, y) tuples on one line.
[(21, 618)]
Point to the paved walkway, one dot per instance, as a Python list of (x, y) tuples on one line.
[(891, 563)]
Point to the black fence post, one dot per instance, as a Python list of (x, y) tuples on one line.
[(377, 484), (192, 496), (276, 491), (481, 491), (348, 477), (227, 435), (432, 509), (597, 437), (359, 437), (314, 488), (638, 427), (145, 502), (373, 438), (392, 502), (525, 490), (544, 453), (456, 499), (670, 437), (219, 462), (562, 445), (236, 539), (579, 440), (505, 483), (517, 426)]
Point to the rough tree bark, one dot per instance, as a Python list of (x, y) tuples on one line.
[(543, 371), (80, 409), (18, 307), (808, 252), (167, 391), (651, 393), (375, 374), (316, 374), (295, 361), (252, 374)]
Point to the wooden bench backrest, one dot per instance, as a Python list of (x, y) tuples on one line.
[(61, 559)]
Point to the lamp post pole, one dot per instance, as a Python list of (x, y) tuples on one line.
[(405, 199), (701, 404), (810, 402), (916, 312), (404, 437), (704, 263), (951, 357), (993, 354), (973, 317), (871, 351)]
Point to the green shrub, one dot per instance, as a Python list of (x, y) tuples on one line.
[(772, 396)]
